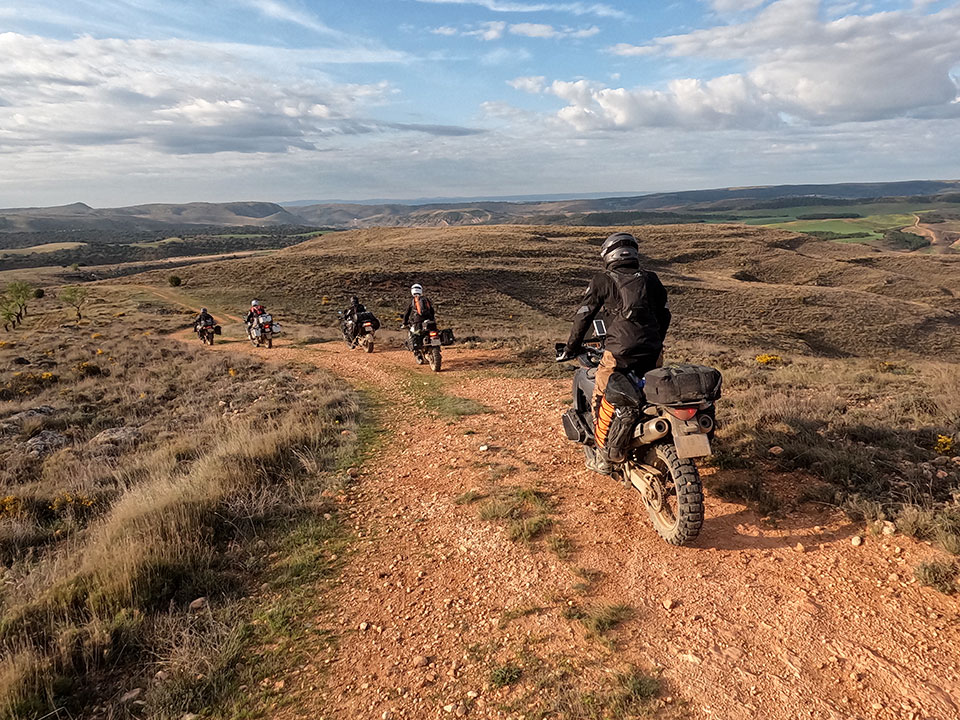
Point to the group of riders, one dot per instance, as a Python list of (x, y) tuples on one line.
[(634, 302)]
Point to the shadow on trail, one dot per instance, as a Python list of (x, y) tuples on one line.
[(740, 529)]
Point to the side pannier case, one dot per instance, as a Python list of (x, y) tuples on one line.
[(446, 337), (682, 384)]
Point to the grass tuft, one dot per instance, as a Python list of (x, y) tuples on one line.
[(938, 574)]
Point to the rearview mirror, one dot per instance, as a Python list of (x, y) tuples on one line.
[(599, 328)]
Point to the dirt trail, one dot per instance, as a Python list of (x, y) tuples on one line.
[(939, 241), (760, 626)]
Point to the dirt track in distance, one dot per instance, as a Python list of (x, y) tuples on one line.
[(765, 622)]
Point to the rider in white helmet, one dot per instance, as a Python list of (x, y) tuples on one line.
[(256, 309), (419, 310)]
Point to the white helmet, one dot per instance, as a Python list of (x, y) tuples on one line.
[(416, 289), (254, 303)]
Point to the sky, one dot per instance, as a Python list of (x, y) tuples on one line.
[(118, 102)]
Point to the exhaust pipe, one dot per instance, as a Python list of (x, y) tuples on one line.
[(653, 430)]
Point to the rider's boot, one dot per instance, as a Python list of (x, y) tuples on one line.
[(597, 460)]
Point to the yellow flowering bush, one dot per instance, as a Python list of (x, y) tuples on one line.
[(231, 372), (768, 359), (944, 445), (10, 506), (77, 503)]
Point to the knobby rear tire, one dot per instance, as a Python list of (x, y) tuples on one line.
[(270, 342), (685, 479), (435, 359)]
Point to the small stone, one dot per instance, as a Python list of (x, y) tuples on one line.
[(421, 661), (690, 658), (669, 604), (877, 706), (799, 548), (449, 708), (887, 528), (473, 694), (199, 604), (856, 540), (776, 450), (364, 626), (161, 676), (484, 448), (130, 696), (461, 710)]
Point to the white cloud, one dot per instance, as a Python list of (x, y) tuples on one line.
[(857, 68), (488, 31), (276, 10), (574, 8), (729, 6), (495, 30), (534, 30), (502, 56), (181, 97), (531, 84), (627, 50)]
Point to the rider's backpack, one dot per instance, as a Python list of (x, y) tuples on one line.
[(682, 384), (632, 289)]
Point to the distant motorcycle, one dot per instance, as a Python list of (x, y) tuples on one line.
[(206, 331), (651, 428), (262, 330), (363, 335), (425, 343)]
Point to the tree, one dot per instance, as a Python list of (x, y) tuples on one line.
[(38, 293), (19, 292), (75, 296), (8, 313), (174, 280)]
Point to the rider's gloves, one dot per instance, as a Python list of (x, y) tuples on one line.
[(566, 354)]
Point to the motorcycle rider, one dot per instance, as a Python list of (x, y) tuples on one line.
[(203, 319), (638, 316), (256, 310), (351, 317), (419, 311)]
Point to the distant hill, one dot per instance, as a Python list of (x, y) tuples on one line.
[(80, 216), (721, 204)]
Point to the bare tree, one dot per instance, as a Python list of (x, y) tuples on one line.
[(75, 296)]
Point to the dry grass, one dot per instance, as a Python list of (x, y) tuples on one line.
[(110, 543)]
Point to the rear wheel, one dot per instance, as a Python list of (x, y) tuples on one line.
[(270, 341), (368, 343), (435, 359), (674, 500)]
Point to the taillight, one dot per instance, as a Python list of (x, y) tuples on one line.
[(682, 413), (366, 325), (433, 333)]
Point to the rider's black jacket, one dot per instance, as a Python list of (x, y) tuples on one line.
[(353, 312), (203, 319), (629, 341), (420, 310)]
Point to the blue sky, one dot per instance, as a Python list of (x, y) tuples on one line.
[(115, 102)]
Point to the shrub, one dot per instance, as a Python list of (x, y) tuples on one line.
[(175, 281), (504, 675), (939, 574)]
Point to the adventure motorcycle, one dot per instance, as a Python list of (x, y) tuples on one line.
[(206, 331), (651, 429), (262, 330), (364, 335), (426, 343)]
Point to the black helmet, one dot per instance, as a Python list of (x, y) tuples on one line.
[(354, 300), (618, 247)]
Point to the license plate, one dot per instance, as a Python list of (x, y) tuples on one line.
[(691, 446), (435, 341)]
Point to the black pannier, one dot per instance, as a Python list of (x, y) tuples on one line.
[(682, 384), (217, 330), (446, 337), (369, 317)]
